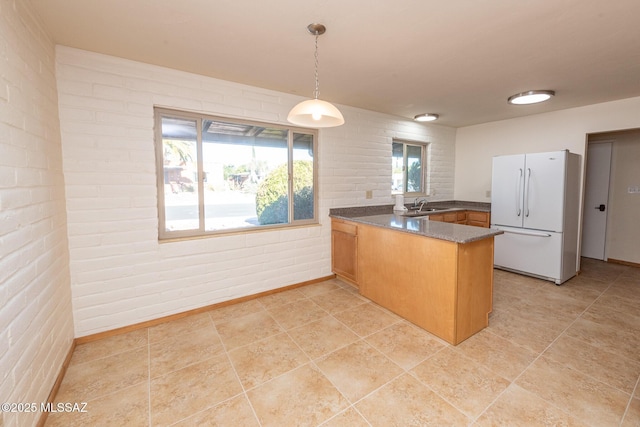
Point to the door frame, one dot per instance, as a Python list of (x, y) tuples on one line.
[(584, 198)]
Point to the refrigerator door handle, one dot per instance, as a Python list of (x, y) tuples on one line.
[(529, 233), (528, 186), (519, 194)]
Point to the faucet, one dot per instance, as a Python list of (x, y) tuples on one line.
[(422, 202)]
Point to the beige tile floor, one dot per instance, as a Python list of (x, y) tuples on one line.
[(323, 355)]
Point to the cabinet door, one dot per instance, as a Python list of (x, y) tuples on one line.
[(507, 190), (478, 219), (451, 217), (344, 250), (544, 191)]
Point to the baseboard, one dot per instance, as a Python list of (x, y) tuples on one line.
[(348, 281), (56, 384), (619, 261), (165, 319)]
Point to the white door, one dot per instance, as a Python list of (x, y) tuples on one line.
[(507, 187), (594, 223), (545, 177)]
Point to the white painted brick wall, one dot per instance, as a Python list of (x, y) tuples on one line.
[(120, 274), (36, 324)]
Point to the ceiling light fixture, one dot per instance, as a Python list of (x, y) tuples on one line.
[(530, 97), (315, 112), (426, 117)]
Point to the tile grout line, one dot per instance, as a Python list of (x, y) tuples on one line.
[(235, 372), (560, 334), (633, 393), (189, 364), (434, 391), (110, 354), (312, 362), (204, 360), (637, 386), (363, 339), (353, 404), (513, 381)]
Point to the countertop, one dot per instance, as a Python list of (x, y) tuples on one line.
[(383, 216)]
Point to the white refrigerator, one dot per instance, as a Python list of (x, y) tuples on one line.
[(535, 201)]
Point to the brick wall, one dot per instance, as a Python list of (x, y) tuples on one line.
[(36, 325), (120, 274)]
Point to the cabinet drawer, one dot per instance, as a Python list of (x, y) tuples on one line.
[(345, 227), (477, 216), (451, 217), (462, 216)]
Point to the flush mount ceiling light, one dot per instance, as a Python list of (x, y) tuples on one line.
[(315, 112), (530, 97), (426, 117)]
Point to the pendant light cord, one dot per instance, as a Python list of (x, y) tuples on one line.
[(315, 113), (316, 93)]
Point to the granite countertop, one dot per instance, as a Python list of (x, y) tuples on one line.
[(383, 216)]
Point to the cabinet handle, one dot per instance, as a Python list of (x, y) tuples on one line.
[(522, 233)]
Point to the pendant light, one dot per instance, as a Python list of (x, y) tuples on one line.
[(314, 112)]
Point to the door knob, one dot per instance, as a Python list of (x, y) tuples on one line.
[(601, 208)]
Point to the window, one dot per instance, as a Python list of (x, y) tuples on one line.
[(220, 175), (408, 168)]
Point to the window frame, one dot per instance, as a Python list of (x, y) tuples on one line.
[(424, 175), (166, 235)]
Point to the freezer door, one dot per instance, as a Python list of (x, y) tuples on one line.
[(538, 253), (507, 190), (544, 188)]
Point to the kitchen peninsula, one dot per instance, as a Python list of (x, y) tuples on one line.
[(437, 275)]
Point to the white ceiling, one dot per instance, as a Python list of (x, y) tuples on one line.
[(458, 58)]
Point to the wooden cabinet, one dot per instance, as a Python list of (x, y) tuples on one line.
[(436, 217), (344, 240), (475, 218), (456, 217), (478, 219), (451, 217), (441, 286), (344, 250)]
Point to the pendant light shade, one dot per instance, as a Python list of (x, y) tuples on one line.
[(315, 112)]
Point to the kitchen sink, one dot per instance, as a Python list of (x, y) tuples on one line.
[(423, 211)]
